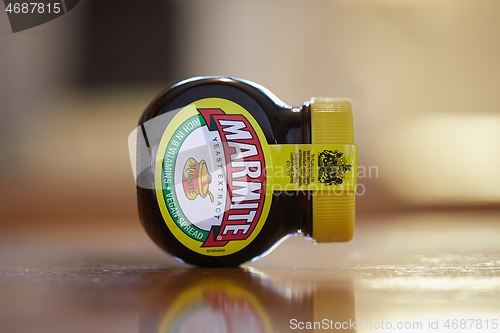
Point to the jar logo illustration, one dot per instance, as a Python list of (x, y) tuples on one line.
[(332, 167), (196, 179)]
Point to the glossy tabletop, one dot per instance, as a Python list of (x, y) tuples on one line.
[(414, 272)]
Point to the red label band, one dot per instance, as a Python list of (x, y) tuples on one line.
[(245, 172)]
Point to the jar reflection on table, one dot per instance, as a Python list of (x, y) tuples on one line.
[(239, 300)]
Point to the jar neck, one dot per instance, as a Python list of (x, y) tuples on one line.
[(292, 125), (297, 122)]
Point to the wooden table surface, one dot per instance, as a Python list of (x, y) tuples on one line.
[(414, 272)]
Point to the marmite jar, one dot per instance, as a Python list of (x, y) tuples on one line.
[(225, 170)]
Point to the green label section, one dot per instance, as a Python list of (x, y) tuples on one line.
[(309, 167), (168, 182)]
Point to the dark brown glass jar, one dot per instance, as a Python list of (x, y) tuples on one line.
[(225, 170)]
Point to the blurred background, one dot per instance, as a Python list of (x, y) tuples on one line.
[(423, 76)]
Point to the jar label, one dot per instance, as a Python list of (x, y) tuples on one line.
[(210, 177), (313, 167)]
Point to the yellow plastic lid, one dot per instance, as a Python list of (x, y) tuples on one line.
[(333, 213)]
